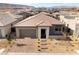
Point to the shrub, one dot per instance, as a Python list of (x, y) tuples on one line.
[(9, 38)]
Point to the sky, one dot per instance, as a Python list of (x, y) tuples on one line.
[(43, 3), (54, 4)]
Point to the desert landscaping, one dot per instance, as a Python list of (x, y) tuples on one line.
[(50, 46)]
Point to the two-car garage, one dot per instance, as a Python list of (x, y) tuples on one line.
[(26, 32)]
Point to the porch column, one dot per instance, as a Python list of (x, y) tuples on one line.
[(36, 32), (62, 28), (47, 32), (17, 33), (39, 33)]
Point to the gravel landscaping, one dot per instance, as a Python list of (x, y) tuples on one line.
[(29, 45)]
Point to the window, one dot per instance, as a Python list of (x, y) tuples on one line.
[(57, 28)]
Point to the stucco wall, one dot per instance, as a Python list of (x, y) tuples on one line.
[(5, 30)]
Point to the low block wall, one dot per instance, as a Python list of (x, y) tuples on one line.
[(57, 37)]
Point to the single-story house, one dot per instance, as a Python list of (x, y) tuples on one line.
[(6, 21), (39, 26), (71, 20)]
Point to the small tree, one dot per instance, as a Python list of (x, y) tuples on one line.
[(9, 38)]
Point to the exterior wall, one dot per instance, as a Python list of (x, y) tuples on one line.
[(5, 30), (39, 32)]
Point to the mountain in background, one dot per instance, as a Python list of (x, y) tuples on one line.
[(38, 5), (6, 5)]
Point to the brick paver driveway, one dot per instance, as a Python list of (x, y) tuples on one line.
[(24, 45)]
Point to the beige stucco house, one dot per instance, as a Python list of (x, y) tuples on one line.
[(71, 20), (6, 22), (39, 26)]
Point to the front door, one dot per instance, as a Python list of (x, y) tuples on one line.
[(43, 33)]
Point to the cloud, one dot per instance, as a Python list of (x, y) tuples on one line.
[(38, 1)]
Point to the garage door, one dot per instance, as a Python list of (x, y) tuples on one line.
[(27, 33), (0, 33)]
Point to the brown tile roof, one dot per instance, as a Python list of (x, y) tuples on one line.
[(6, 19), (38, 20)]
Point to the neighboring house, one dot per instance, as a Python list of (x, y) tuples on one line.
[(39, 26), (77, 30), (71, 20), (16, 16), (25, 14), (6, 21)]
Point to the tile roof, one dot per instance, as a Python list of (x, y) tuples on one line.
[(38, 20), (6, 18)]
